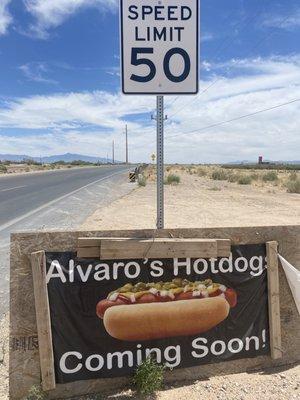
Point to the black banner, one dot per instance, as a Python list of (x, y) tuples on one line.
[(107, 316)]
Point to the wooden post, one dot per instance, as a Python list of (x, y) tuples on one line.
[(273, 300), (38, 263)]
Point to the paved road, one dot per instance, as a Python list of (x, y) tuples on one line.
[(53, 200), (22, 194)]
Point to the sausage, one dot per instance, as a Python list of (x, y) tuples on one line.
[(103, 305), (161, 320), (230, 295)]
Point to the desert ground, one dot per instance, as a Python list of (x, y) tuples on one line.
[(200, 201)]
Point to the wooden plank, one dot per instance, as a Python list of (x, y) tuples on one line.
[(38, 264), (90, 247), (162, 248), (88, 252), (273, 300), (224, 247), (89, 242)]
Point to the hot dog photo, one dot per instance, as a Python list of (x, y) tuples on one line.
[(107, 316), (146, 311)]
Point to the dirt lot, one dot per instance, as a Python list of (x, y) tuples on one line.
[(201, 202), (275, 384)]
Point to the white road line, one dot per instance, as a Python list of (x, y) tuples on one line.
[(13, 188), (30, 213)]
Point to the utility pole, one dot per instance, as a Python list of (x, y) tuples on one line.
[(113, 151), (126, 135)]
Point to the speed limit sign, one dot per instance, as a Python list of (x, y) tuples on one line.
[(159, 46)]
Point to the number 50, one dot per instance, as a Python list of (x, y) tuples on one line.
[(136, 61)]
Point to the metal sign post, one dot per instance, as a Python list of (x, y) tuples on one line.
[(159, 56), (160, 161)]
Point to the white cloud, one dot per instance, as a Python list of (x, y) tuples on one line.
[(52, 13), (5, 17), (36, 72), (207, 37), (113, 71), (86, 122), (288, 22), (72, 111)]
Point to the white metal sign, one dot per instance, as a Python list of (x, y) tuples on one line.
[(159, 46)]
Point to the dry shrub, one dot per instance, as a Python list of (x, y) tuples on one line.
[(219, 175), (234, 177), (245, 180), (172, 179), (293, 176), (270, 176), (201, 171), (142, 181), (293, 186)]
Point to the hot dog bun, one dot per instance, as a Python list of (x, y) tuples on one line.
[(162, 320)]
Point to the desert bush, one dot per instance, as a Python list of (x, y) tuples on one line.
[(201, 172), (245, 180), (36, 393), (172, 179), (3, 169), (234, 177), (142, 181), (254, 176), (293, 176), (219, 175), (30, 161), (277, 167), (149, 376), (293, 186), (270, 176)]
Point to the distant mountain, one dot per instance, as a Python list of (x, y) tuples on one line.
[(68, 157)]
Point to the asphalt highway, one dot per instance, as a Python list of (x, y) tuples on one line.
[(23, 194), (60, 199)]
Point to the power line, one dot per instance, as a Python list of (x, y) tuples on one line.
[(226, 122), (220, 78), (218, 49), (234, 119), (176, 98), (248, 21)]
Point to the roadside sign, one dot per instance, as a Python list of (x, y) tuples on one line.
[(159, 46)]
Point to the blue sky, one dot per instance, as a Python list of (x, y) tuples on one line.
[(60, 89)]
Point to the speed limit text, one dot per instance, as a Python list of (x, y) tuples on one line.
[(159, 13)]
